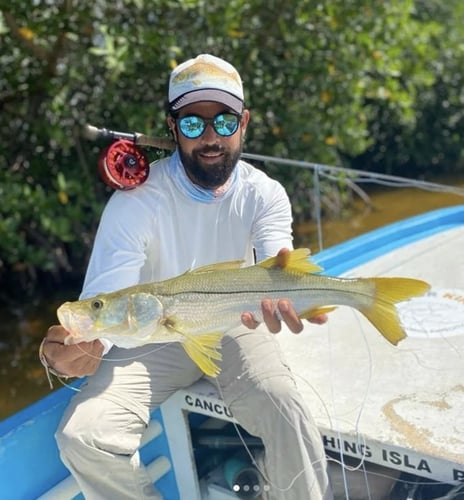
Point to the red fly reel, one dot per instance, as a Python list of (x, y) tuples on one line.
[(123, 165)]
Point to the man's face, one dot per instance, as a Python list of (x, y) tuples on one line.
[(209, 159)]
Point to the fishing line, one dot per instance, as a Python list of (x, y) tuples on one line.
[(253, 459), (63, 383), (360, 442), (318, 208), (101, 358), (340, 438), (341, 462), (236, 426), (422, 361), (365, 398), (130, 358)]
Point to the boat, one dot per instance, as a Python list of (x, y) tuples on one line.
[(391, 417)]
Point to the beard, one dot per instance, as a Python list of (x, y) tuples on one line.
[(210, 176)]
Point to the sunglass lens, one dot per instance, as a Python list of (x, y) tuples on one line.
[(192, 126), (225, 124)]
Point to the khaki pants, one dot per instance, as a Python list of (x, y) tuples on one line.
[(101, 430)]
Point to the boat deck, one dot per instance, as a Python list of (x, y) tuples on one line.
[(398, 410), (401, 406)]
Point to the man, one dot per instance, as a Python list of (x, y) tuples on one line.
[(200, 206)]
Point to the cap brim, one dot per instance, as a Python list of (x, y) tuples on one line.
[(213, 95)]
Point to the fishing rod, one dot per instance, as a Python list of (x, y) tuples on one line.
[(94, 133), (124, 165)]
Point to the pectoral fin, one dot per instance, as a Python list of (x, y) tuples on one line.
[(202, 350), (312, 313)]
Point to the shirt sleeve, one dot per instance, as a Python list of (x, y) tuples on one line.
[(273, 225), (119, 249), (118, 252)]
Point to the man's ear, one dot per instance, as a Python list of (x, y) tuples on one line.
[(172, 128), (173, 133)]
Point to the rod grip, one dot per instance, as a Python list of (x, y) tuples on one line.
[(94, 133)]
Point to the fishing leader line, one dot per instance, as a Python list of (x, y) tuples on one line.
[(130, 358), (101, 358)]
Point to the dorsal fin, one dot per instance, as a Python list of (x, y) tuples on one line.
[(296, 261), (220, 266)]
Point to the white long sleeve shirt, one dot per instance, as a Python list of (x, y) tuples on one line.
[(167, 226), (158, 231)]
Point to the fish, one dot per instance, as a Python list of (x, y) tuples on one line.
[(196, 308)]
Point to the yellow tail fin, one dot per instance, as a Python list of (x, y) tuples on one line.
[(388, 292)]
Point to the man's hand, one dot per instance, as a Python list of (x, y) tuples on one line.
[(285, 308), (77, 360)]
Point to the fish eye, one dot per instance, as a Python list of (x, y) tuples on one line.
[(97, 304)]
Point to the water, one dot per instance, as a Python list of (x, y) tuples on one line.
[(387, 206), (23, 379), (22, 328)]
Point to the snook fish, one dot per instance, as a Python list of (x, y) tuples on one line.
[(197, 307)]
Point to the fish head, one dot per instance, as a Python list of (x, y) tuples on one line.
[(127, 319)]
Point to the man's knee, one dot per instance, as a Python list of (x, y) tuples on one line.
[(279, 391), (268, 403), (102, 425)]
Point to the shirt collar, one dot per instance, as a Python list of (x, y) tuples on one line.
[(195, 192)]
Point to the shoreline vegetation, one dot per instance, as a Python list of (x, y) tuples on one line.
[(378, 88)]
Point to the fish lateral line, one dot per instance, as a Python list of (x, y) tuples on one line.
[(248, 291), (243, 292), (290, 290)]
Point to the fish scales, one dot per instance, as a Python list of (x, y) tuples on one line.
[(198, 307), (223, 297)]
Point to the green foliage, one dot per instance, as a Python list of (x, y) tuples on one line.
[(375, 84)]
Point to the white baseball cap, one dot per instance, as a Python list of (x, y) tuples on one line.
[(205, 78)]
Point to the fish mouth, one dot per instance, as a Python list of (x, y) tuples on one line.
[(76, 325)]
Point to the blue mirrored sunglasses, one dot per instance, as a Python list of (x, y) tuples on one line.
[(224, 124)]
